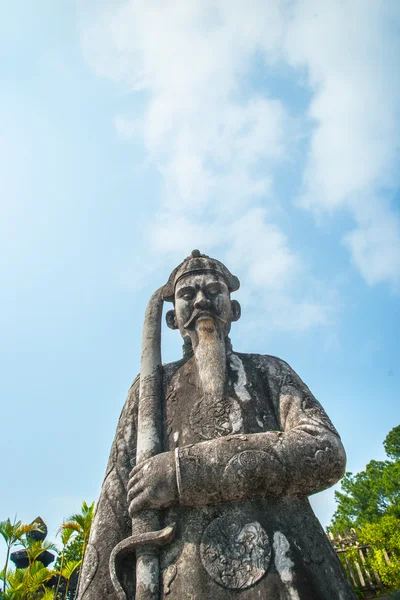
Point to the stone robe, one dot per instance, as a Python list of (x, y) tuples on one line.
[(245, 468)]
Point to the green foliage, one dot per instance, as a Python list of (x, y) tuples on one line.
[(32, 583), (29, 583), (392, 443), (80, 523), (48, 595), (74, 549), (67, 571), (12, 534), (69, 567), (363, 498), (384, 541), (75, 532), (74, 536), (369, 495), (370, 502), (35, 548)]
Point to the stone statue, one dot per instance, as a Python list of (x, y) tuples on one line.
[(206, 490)]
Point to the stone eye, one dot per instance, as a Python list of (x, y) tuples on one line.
[(212, 292), (187, 295)]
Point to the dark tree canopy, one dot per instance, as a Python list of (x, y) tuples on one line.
[(369, 495), (392, 443)]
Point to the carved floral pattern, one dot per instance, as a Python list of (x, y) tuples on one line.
[(325, 461), (248, 462), (250, 473), (235, 554), (211, 419)]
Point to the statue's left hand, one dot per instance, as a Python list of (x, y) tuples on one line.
[(152, 484)]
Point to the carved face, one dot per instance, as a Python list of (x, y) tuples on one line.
[(203, 295)]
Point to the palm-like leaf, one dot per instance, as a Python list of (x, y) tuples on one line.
[(16, 577), (13, 534), (29, 584), (81, 523), (35, 549), (37, 575), (66, 534), (71, 527), (67, 530), (5, 576), (69, 567), (48, 595), (8, 529)]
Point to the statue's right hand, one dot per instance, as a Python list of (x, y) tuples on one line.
[(152, 484)]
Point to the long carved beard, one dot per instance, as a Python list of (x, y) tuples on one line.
[(210, 355)]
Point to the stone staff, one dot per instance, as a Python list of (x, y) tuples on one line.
[(146, 533)]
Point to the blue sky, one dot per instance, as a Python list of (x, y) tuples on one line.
[(265, 134)]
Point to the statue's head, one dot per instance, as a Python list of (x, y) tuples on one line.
[(200, 288)]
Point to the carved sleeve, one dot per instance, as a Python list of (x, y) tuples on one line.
[(307, 456), (111, 522)]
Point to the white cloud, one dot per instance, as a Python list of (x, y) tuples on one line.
[(205, 135), (375, 244), (217, 141), (262, 251), (350, 50)]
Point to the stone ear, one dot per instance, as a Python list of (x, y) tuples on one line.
[(236, 310), (171, 321)]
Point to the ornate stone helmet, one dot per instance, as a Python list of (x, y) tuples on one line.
[(198, 263)]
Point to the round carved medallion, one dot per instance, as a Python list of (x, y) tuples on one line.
[(235, 554), (255, 466), (211, 418)]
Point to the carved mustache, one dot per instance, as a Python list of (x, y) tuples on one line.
[(201, 313)]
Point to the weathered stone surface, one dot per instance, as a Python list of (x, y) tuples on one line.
[(244, 443), (234, 551)]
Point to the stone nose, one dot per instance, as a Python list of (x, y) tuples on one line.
[(201, 302)]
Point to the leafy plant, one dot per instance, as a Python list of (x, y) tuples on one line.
[(81, 523), (74, 536), (29, 583), (35, 582), (13, 533), (384, 541), (369, 495), (66, 535), (370, 502), (67, 571)]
